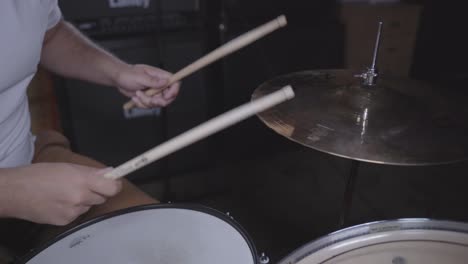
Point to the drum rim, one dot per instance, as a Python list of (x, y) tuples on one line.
[(366, 228), (187, 206)]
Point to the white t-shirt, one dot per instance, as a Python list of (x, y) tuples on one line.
[(23, 24)]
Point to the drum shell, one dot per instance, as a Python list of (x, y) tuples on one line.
[(84, 234), (339, 247)]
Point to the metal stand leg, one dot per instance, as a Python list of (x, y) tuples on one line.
[(348, 193)]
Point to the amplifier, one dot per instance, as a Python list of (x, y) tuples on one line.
[(100, 18)]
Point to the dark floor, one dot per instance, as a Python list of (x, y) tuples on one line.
[(284, 200)]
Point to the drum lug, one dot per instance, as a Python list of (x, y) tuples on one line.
[(264, 259), (229, 215)]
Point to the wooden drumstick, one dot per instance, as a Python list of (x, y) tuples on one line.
[(201, 131), (222, 51)]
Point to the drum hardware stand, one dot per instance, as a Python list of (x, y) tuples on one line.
[(350, 183), (229, 215), (368, 79)]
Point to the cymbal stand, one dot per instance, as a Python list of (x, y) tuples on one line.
[(369, 79), (350, 183)]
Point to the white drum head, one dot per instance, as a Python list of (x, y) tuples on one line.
[(405, 241), (161, 234)]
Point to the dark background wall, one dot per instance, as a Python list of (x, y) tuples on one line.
[(441, 52)]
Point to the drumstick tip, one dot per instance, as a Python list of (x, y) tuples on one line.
[(282, 21), (288, 92)]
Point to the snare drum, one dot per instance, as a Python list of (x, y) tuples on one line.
[(152, 234), (405, 241)]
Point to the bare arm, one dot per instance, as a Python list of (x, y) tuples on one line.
[(69, 53)]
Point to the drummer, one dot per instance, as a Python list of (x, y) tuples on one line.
[(41, 180)]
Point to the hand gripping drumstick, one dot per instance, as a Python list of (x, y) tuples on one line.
[(201, 131), (226, 49)]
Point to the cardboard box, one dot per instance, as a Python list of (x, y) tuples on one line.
[(400, 27)]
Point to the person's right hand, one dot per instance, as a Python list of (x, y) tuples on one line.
[(57, 193)]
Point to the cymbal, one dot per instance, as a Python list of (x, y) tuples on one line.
[(396, 121)]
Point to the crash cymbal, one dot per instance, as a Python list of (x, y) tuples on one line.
[(395, 121)]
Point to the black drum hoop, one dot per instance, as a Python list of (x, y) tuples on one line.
[(372, 228), (193, 207)]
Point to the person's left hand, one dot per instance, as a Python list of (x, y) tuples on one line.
[(132, 80)]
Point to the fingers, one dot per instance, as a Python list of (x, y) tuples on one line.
[(144, 101), (104, 187), (166, 96), (139, 102), (147, 77), (161, 79), (158, 100), (171, 92), (146, 80)]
